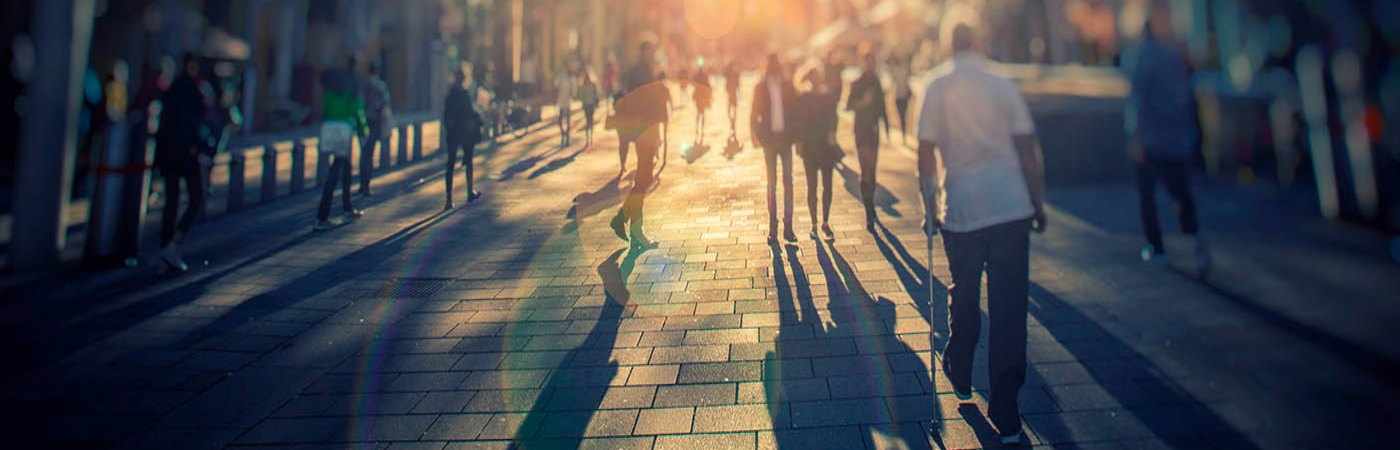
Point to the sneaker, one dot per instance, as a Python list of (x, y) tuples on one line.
[(1150, 254), (354, 214), (473, 197), (1202, 256), (170, 255), (619, 225), (1011, 439)]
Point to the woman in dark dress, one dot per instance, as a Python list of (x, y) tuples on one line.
[(702, 96), (867, 102), (816, 143)]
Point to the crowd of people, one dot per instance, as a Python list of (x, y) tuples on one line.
[(979, 164)]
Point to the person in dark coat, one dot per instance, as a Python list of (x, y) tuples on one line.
[(771, 124), (867, 102), (816, 143), (177, 158), (461, 124)]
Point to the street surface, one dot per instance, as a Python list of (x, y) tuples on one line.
[(523, 318)]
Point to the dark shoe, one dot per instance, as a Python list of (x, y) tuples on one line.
[(826, 232), (619, 225), (473, 196), (772, 238), (813, 234), (170, 255), (322, 225), (929, 228), (448, 206), (870, 224), (354, 214), (788, 235)]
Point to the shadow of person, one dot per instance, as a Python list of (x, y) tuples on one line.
[(556, 164), (915, 278), (589, 203), (888, 384), (560, 415), (884, 199)]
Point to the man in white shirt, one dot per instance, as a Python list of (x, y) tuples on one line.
[(989, 199)]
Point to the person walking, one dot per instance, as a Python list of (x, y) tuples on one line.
[(566, 88), (178, 158), (867, 102), (461, 125), (588, 96), (816, 143), (379, 114), (703, 96), (981, 128), (641, 112), (773, 105), (1164, 134), (731, 87), (342, 120), (899, 77)]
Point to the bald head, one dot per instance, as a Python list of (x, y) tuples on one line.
[(963, 38)]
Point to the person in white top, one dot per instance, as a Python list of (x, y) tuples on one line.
[(566, 86), (988, 201)]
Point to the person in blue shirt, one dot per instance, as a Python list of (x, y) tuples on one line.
[(1163, 132)]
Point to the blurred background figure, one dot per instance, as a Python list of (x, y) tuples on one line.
[(588, 96), (703, 96), (1163, 134), (566, 88), (379, 113), (178, 159), (772, 126), (867, 101), (898, 68), (461, 125)]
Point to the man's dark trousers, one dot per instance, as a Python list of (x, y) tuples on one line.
[(1004, 252), (173, 174), (1175, 175), (775, 153), (467, 146), (338, 174), (367, 148)]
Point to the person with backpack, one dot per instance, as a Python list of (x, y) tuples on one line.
[(461, 125)]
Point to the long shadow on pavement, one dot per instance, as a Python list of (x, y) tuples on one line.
[(560, 416), (884, 199), (1130, 399)]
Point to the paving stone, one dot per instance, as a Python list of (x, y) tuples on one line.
[(590, 423), (751, 417), (696, 395), (656, 374), (457, 427), (664, 421), (720, 372), (689, 354), (724, 441)]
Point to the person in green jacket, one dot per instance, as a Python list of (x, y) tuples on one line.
[(342, 120)]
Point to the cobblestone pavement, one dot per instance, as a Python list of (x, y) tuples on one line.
[(522, 318)]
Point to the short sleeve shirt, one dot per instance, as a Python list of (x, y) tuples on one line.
[(971, 114)]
